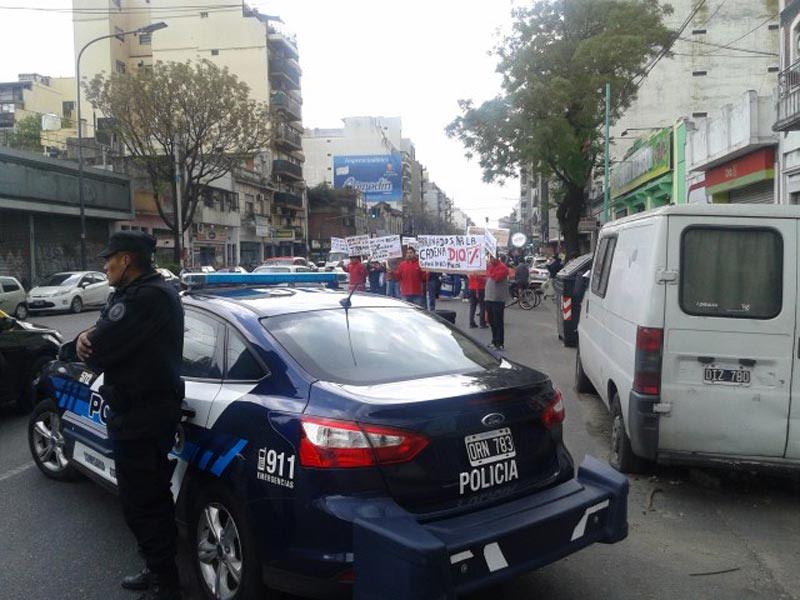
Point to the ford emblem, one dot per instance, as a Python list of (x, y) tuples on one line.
[(493, 420)]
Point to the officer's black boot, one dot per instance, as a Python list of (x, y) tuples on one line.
[(163, 589), (141, 581)]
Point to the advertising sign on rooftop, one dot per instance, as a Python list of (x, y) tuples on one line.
[(379, 177)]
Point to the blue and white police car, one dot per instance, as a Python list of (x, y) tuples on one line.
[(335, 444)]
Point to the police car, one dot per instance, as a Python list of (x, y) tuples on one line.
[(355, 444)]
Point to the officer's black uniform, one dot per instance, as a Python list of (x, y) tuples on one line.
[(138, 344)]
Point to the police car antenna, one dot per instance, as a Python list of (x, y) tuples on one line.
[(345, 302)]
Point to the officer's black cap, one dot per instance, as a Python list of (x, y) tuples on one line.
[(130, 241)]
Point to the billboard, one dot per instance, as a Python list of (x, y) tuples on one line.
[(379, 176)]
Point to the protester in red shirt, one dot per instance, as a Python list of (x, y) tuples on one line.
[(477, 293), (358, 274), (411, 279)]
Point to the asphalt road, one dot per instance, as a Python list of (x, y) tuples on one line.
[(693, 533)]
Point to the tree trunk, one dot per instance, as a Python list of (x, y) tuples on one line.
[(177, 254), (569, 214)]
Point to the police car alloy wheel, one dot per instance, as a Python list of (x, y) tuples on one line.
[(225, 551), (46, 439)]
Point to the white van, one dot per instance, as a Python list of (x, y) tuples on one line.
[(688, 333)]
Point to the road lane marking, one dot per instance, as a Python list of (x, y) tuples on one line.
[(17, 471)]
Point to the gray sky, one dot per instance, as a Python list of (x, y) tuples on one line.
[(411, 58)]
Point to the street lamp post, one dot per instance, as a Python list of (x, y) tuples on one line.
[(147, 29)]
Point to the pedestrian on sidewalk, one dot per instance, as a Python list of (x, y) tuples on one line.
[(358, 274), (411, 278), (477, 291), (496, 298)]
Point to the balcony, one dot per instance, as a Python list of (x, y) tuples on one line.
[(279, 38), (788, 99), (284, 103), (286, 169), (283, 69), (288, 199), (288, 137)]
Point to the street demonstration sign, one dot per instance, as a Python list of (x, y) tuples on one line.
[(358, 245), (382, 248), (338, 245), (452, 253)]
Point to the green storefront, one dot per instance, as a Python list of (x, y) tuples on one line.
[(651, 174)]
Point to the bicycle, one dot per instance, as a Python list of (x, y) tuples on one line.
[(527, 298)]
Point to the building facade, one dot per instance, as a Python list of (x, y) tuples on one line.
[(253, 47), (787, 122)]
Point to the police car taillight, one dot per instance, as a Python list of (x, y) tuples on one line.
[(333, 444), (554, 413)]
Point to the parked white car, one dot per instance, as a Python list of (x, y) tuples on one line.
[(688, 333), (72, 291), (283, 269), (13, 300)]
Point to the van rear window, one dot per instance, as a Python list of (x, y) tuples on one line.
[(731, 272)]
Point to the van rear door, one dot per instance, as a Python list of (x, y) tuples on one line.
[(729, 335)]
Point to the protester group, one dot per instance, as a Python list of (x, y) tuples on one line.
[(487, 292)]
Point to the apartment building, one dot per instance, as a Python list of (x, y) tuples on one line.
[(260, 53), (787, 123)]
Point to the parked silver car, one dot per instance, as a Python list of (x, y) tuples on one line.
[(13, 299), (71, 291)]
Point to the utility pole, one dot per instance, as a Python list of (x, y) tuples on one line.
[(606, 153), (178, 204)]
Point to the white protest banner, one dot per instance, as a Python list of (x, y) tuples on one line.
[(490, 241), (383, 248), (501, 235), (339, 245), (452, 253), (357, 245), (410, 241)]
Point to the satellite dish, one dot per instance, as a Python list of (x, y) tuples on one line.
[(518, 239)]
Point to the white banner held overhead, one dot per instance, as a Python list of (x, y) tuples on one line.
[(383, 248), (490, 241), (452, 253), (410, 241), (501, 235), (358, 245), (339, 245)]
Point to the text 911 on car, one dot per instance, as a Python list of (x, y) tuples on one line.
[(349, 444)]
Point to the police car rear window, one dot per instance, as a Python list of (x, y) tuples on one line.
[(365, 346)]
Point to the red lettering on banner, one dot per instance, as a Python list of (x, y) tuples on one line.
[(451, 254), (474, 254)]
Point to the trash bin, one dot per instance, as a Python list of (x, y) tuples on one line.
[(568, 286)]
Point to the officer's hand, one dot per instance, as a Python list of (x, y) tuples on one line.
[(84, 346)]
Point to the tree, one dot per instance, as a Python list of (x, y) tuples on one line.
[(27, 134), (554, 65), (195, 120)]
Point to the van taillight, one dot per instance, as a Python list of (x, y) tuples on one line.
[(647, 370)]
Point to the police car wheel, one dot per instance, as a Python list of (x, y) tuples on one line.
[(46, 441), (226, 557)]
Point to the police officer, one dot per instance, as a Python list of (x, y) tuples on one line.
[(138, 344)]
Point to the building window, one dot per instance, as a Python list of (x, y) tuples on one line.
[(699, 73), (204, 15), (773, 69), (699, 115), (117, 3), (774, 26), (215, 52), (120, 67), (698, 31), (117, 34), (145, 39)]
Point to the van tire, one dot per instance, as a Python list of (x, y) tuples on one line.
[(621, 456), (582, 383)]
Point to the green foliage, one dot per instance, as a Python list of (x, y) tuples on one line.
[(555, 65), (27, 134)]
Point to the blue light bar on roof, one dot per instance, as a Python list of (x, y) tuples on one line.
[(211, 279)]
